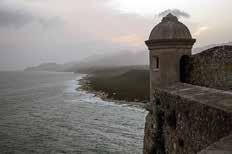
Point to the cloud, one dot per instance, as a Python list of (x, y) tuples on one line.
[(14, 18), (200, 30), (88, 27), (18, 16), (131, 39), (175, 12)]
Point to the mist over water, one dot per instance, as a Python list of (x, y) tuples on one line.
[(43, 113)]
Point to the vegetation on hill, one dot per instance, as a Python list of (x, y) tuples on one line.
[(119, 59), (123, 83)]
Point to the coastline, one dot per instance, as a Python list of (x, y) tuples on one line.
[(85, 85)]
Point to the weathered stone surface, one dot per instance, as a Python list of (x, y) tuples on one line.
[(210, 68), (224, 146), (214, 98), (193, 117), (170, 28)]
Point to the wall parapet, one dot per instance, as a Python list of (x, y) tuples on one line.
[(215, 98), (185, 119), (209, 68)]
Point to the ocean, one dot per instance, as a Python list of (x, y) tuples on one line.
[(43, 113)]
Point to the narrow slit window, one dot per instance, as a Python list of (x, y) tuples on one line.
[(157, 62)]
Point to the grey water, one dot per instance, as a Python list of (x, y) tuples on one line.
[(43, 113)]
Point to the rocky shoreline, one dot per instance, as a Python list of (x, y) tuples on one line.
[(85, 85)]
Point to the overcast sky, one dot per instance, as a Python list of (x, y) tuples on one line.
[(37, 31)]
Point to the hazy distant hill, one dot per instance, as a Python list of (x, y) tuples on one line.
[(51, 67), (112, 60), (125, 58), (98, 61), (45, 67)]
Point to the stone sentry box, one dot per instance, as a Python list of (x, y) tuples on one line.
[(182, 118), (168, 42)]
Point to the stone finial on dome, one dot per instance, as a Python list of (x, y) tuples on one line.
[(169, 29), (170, 17)]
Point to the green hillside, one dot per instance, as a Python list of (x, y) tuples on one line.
[(121, 83)]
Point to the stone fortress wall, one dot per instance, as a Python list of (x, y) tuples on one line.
[(210, 68), (194, 114), (185, 118)]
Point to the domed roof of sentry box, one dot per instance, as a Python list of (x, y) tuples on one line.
[(170, 28)]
